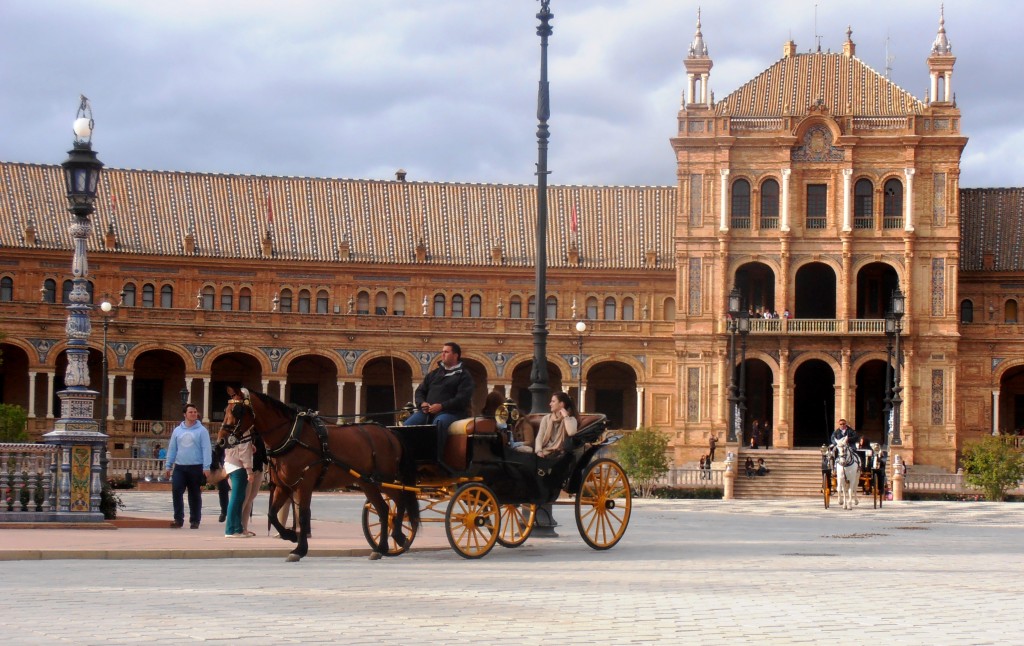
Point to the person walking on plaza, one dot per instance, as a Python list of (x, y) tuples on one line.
[(444, 396), (188, 467), (712, 443)]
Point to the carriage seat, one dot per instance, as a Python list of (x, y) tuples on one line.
[(529, 425), (456, 446)]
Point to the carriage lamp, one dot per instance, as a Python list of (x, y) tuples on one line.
[(406, 412), (507, 412), (824, 449)]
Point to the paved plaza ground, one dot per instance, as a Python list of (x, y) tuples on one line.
[(687, 572)]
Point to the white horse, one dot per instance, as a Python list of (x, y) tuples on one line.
[(847, 466)]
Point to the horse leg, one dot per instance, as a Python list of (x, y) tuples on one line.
[(278, 499), (305, 497)]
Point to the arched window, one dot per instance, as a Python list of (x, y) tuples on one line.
[(50, 291), (476, 306), (863, 204), (531, 307), (65, 292), (208, 295), (323, 302), (167, 297), (227, 299), (457, 306), (515, 307), (304, 298), (592, 308), (627, 309), (668, 310), (439, 303), (609, 309), (399, 304), (740, 204), (286, 300), (380, 305), (892, 213), (6, 289), (1010, 311), (966, 311), (769, 204), (128, 295), (245, 300), (363, 303), (148, 295), (552, 309)]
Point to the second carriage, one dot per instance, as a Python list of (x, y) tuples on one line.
[(488, 492)]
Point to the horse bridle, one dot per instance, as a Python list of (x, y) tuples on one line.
[(235, 438)]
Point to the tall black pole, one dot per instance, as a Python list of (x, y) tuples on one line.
[(743, 378), (539, 375), (731, 435), (897, 400), (103, 401), (888, 390)]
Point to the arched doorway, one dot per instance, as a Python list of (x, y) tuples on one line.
[(610, 388), (521, 383), (815, 294), (387, 386), (14, 376), (158, 376), (312, 383), (875, 284), (760, 400), (1011, 400), (869, 407), (231, 368), (814, 402), (756, 282)]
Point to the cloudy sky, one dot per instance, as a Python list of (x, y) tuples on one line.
[(447, 89)]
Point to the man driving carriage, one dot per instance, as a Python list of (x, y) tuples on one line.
[(444, 396), (844, 431)]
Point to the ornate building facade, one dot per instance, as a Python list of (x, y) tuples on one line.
[(815, 190)]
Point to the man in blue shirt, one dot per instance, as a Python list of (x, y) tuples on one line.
[(188, 454)]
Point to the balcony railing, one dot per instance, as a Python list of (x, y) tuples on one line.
[(28, 481), (867, 327)]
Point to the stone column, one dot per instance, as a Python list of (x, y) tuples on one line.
[(783, 400), (934, 86), (264, 384), (206, 400), (844, 380), (784, 225), (31, 394), (49, 394), (341, 398), (723, 224), (359, 398), (949, 85), (705, 95), (908, 202), (128, 396), (110, 396), (847, 174), (639, 406), (995, 412)]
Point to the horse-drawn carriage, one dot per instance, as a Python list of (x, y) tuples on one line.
[(481, 487), (850, 471)]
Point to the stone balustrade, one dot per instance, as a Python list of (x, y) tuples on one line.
[(28, 481)]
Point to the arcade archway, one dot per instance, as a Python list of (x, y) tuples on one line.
[(814, 401)]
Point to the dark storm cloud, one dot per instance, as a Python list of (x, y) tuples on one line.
[(447, 89)]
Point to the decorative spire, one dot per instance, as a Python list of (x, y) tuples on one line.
[(849, 49), (941, 44), (697, 48)]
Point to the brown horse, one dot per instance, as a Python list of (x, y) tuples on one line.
[(303, 459)]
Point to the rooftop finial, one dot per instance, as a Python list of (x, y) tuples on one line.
[(941, 44), (697, 48)]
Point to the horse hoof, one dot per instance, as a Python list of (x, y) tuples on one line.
[(293, 558), (375, 556)]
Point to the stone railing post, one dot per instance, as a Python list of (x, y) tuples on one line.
[(897, 479), (729, 477)]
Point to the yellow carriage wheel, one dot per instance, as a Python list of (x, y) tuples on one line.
[(472, 520), (372, 528), (603, 504), (826, 488), (516, 524)]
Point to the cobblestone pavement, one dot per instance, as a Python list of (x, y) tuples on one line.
[(686, 572)]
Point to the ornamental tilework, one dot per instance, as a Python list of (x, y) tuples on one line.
[(696, 200), (695, 286), (939, 200), (817, 147), (938, 286), (81, 473), (692, 394), (938, 396)]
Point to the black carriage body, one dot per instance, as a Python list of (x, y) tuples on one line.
[(515, 477)]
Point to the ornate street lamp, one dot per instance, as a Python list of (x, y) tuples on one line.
[(539, 389), (77, 432), (183, 396), (105, 396), (898, 309), (743, 327), (581, 329), (890, 332), (735, 300)]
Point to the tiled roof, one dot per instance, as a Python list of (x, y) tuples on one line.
[(382, 221), (845, 84), (991, 222)]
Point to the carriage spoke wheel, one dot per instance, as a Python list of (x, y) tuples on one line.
[(877, 490), (826, 488), (472, 520), (516, 524), (372, 528), (603, 504)]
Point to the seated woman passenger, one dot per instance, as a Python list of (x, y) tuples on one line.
[(556, 426)]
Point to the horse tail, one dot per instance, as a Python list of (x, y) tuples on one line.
[(407, 472)]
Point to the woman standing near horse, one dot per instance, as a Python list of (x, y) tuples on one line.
[(239, 467)]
